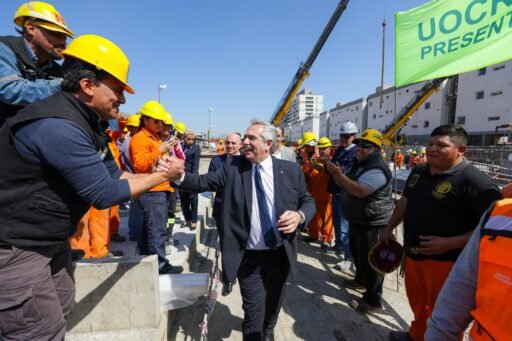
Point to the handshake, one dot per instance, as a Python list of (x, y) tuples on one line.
[(173, 166)]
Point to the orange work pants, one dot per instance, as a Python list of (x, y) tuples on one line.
[(115, 220), (423, 282), (92, 235), (322, 222)]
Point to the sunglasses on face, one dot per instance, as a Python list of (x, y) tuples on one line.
[(157, 121), (364, 145), (345, 136)]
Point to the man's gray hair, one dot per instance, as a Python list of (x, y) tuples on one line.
[(269, 133)]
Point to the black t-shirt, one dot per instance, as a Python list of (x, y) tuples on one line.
[(447, 204)]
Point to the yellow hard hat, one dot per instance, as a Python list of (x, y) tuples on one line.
[(103, 54), (180, 127), (133, 121), (423, 151), (154, 110), (414, 152), (371, 135), (309, 138), (168, 119), (324, 142), (125, 130), (299, 143), (49, 17)]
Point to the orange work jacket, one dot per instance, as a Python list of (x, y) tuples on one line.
[(493, 312), (144, 153), (317, 179)]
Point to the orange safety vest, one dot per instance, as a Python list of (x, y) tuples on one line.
[(493, 312)]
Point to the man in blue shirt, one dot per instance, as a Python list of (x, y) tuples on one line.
[(344, 155), (27, 69), (56, 164)]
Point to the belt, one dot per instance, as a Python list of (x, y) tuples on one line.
[(279, 248)]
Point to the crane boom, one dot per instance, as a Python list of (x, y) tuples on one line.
[(406, 113), (303, 71)]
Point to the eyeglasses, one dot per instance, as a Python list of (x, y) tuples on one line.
[(345, 136), (365, 145)]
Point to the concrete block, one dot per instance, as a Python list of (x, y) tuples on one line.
[(150, 334), (115, 294)]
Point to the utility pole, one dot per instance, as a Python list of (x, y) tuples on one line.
[(160, 87)]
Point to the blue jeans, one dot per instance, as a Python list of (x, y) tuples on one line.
[(154, 207), (340, 227), (135, 219)]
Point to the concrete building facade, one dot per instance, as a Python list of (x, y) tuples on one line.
[(355, 111), (311, 124), (484, 101), (305, 104), (324, 124)]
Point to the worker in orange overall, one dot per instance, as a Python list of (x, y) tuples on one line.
[(317, 178), (97, 227), (146, 148), (399, 159), (309, 153), (221, 149), (423, 157), (414, 160), (114, 219)]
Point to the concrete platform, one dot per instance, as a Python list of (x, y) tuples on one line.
[(119, 298)]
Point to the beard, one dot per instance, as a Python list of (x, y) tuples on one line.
[(55, 54)]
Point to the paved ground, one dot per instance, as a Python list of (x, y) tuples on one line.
[(315, 308)]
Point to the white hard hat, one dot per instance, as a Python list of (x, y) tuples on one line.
[(348, 128)]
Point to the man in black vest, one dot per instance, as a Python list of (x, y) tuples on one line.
[(27, 69), (55, 165), (367, 205)]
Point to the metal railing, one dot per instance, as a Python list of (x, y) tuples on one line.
[(495, 161)]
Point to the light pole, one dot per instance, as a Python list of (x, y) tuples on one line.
[(160, 87), (210, 109)]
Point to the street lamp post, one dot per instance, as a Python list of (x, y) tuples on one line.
[(160, 87), (210, 109)]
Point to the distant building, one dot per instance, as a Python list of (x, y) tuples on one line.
[(311, 123), (324, 124), (483, 102), (304, 105), (355, 111)]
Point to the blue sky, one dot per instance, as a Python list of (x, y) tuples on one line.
[(233, 55)]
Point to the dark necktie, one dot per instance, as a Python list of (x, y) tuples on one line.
[(265, 219)]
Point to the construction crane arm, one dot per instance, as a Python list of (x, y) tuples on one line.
[(406, 113), (303, 71)]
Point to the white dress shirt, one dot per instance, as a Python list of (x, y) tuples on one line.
[(256, 240)]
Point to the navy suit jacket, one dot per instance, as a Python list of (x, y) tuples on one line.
[(235, 177), (217, 163), (192, 155)]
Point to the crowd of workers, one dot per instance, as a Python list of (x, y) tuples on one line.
[(70, 160), (444, 199)]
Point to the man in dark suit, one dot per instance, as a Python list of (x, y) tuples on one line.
[(189, 200), (264, 201), (233, 145)]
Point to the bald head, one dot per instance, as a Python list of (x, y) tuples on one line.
[(233, 144)]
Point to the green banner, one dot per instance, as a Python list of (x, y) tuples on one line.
[(447, 37)]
